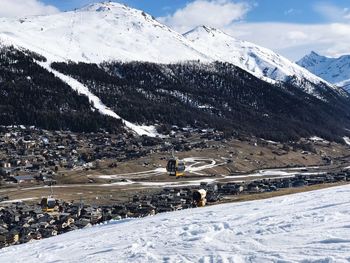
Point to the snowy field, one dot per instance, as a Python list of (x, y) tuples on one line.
[(307, 227)]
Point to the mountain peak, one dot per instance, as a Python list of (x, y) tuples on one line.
[(259, 61), (334, 70), (205, 29), (100, 32), (314, 54), (311, 60), (103, 6)]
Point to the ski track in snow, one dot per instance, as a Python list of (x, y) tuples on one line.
[(97, 103), (307, 227), (346, 140)]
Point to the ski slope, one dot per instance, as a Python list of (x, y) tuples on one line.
[(307, 227)]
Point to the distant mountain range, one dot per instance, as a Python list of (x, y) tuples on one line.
[(333, 70), (137, 71)]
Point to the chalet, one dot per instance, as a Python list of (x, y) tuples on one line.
[(231, 188), (5, 165), (286, 183), (48, 232), (253, 188), (299, 183), (3, 237), (12, 237), (83, 223)]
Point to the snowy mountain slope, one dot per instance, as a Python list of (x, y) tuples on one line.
[(261, 62), (111, 31), (114, 32), (307, 227), (99, 32), (334, 70)]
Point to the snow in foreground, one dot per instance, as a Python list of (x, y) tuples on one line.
[(308, 227)]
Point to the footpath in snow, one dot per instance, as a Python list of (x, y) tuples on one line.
[(307, 227)]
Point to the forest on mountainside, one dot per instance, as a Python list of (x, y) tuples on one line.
[(30, 95), (216, 95)]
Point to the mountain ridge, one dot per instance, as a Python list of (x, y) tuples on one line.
[(259, 61), (334, 70), (110, 31), (97, 33), (125, 65)]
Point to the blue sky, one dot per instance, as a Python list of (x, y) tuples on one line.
[(290, 27), (295, 11)]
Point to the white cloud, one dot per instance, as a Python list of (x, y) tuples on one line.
[(214, 13), (21, 8), (332, 12), (289, 39), (295, 40), (297, 35), (292, 11)]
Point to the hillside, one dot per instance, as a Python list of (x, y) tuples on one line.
[(259, 61), (30, 95), (99, 32), (114, 32), (334, 70), (107, 65), (211, 95), (308, 227), (217, 95)]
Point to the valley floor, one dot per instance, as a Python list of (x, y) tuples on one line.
[(306, 227)]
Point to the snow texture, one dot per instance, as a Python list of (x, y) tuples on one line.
[(334, 70), (261, 62), (110, 31), (99, 32), (346, 140), (307, 227)]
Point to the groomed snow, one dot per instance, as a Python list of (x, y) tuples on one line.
[(307, 227)]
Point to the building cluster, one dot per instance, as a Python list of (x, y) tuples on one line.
[(275, 184), (30, 155), (21, 223)]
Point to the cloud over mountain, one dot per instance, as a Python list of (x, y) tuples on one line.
[(21, 8), (214, 13)]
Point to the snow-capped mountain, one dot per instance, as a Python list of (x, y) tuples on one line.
[(261, 62), (111, 31), (190, 73), (334, 70), (99, 32)]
